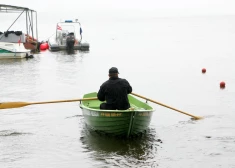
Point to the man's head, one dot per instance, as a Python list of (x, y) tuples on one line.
[(113, 72)]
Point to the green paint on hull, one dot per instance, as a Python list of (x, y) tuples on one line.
[(117, 122), (4, 51)]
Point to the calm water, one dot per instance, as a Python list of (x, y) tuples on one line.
[(162, 59)]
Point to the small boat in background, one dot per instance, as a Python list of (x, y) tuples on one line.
[(16, 44), (123, 123), (68, 36)]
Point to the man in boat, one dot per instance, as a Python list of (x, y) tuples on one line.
[(115, 92)]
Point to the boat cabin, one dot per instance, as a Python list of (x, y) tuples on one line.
[(12, 37)]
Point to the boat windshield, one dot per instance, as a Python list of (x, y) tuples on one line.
[(68, 28)]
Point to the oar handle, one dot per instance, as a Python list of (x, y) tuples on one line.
[(195, 117), (7, 105)]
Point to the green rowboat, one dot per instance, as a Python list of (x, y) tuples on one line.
[(133, 121)]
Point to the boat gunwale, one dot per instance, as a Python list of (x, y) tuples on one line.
[(133, 108), (114, 111)]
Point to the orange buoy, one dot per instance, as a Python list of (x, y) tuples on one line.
[(203, 70), (222, 85)]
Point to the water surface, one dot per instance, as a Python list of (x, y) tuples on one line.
[(162, 58)]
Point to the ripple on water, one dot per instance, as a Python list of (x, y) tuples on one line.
[(13, 146), (117, 152), (12, 133)]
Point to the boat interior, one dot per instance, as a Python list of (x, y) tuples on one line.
[(135, 103)]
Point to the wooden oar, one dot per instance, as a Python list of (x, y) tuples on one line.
[(195, 117), (7, 105)]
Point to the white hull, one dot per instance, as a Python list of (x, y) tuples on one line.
[(56, 47), (12, 55), (13, 50)]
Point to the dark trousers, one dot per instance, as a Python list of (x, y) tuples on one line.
[(106, 106)]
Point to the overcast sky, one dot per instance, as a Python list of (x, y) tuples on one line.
[(162, 7), (50, 12)]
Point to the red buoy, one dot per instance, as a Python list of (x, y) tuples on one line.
[(47, 45), (222, 85), (203, 70), (43, 46)]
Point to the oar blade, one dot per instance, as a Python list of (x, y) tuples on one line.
[(197, 118), (9, 105)]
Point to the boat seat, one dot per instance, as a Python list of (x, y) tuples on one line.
[(92, 104)]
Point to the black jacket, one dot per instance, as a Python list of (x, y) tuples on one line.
[(114, 91)]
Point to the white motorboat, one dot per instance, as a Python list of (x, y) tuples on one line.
[(68, 36), (16, 44)]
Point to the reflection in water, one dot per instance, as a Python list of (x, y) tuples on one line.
[(69, 56), (12, 61), (68, 52), (138, 151)]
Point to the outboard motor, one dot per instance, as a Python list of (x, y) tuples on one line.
[(70, 41)]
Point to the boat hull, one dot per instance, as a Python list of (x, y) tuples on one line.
[(56, 47), (32, 46), (13, 50), (13, 55), (124, 123)]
